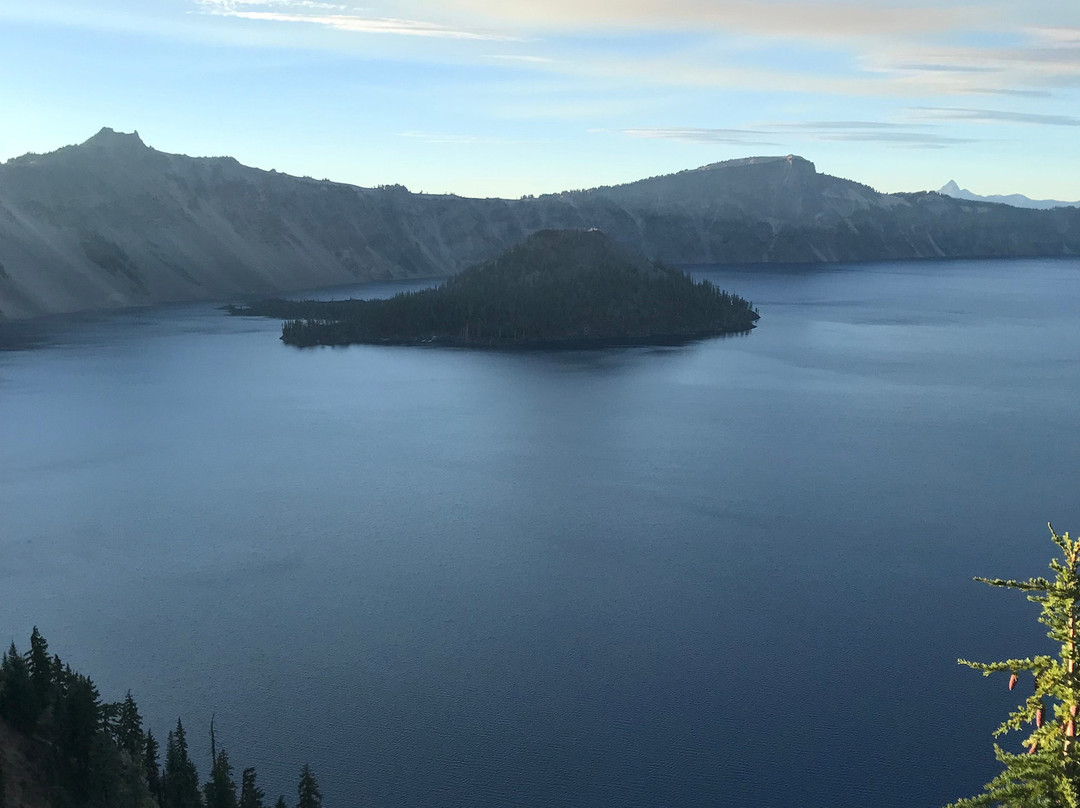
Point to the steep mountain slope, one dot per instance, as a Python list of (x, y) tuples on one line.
[(22, 770), (112, 222)]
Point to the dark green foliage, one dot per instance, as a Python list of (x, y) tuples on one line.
[(79, 720), (41, 667), (127, 728), (308, 789), (96, 755), (251, 796), (556, 288), (58, 668), (18, 698), (180, 781), (152, 766), (220, 790), (86, 765), (280, 802), (1049, 773)]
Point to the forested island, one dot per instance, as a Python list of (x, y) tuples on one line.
[(558, 288), (62, 746)]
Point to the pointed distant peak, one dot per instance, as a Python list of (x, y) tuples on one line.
[(109, 138), (950, 188)]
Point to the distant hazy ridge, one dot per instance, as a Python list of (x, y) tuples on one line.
[(113, 222), (1016, 200)]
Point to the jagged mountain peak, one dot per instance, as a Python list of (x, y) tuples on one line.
[(108, 138), (1016, 200)]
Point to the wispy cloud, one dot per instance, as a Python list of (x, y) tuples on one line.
[(828, 18), (995, 116), (300, 11), (1056, 35), (1010, 92), (949, 68), (233, 5), (832, 125), (791, 132), (733, 137), (900, 138), (1037, 58)]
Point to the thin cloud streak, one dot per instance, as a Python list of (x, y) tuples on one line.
[(367, 25), (888, 45), (996, 116), (1010, 92), (905, 138), (947, 68), (1059, 35), (1042, 56), (231, 5), (835, 19), (350, 23), (808, 131), (812, 125), (732, 137)]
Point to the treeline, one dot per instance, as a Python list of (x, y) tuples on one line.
[(556, 287), (88, 753)]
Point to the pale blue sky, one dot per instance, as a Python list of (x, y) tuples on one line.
[(512, 97)]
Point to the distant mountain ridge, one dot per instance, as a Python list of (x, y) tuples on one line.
[(113, 222), (1016, 200)]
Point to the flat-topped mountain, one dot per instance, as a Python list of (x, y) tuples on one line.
[(558, 287), (113, 222)]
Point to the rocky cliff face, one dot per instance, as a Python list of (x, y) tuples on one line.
[(112, 222)]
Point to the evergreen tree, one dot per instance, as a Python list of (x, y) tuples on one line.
[(180, 782), (41, 668), (308, 790), (151, 766), (280, 802), (79, 723), (58, 672), (220, 790), (128, 727), (18, 699), (251, 796), (1049, 773)]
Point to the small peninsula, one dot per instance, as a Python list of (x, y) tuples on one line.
[(558, 288)]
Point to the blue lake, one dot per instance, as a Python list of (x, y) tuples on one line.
[(733, 573)]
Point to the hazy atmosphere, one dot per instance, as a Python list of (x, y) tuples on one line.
[(486, 98)]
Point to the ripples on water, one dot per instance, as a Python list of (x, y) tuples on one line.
[(731, 573)]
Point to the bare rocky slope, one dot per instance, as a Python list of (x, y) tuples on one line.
[(113, 222)]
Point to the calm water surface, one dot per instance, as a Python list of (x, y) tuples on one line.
[(735, 573)]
